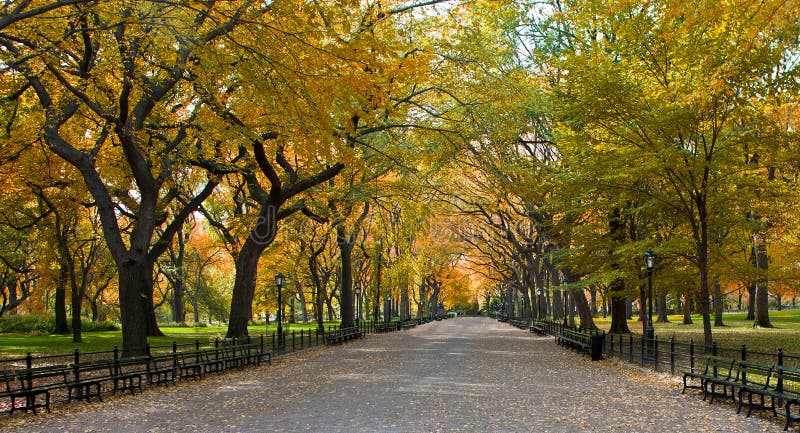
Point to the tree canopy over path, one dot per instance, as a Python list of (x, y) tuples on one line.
[(462, 375), (161, 157)]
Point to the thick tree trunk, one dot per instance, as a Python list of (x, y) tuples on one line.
[(619, 308), (345, 243), (178, 290), (687, 308), (61, 328), (134, 277), (762, 289), (77, 299), (716, 296), (661, 301), (244, 288)]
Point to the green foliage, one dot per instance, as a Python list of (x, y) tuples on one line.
[(27, 324), (43, 324), (88, 326)]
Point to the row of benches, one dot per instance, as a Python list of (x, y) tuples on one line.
[(32, 388), (744, 379), (342, 334)]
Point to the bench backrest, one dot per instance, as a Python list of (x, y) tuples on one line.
[(755, 373), (787, 380), (719, 366), (30, 378), (83, 370), (6, 381)]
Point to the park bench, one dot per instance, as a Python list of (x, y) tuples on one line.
[(254, 355), (716, 367), (753, 378), (213, 361), (787, 389), (381, 327), (87, 379), (578, 340), (537, 328), (37, 382), (407, 324), (781, 385), (736, 378), (342, 335), (127, 374), (232, 356), (519, 323), (158, 369), (190, 365)]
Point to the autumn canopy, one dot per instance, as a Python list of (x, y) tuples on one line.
[(164, 158)]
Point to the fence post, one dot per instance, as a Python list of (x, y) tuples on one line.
[(744, 357), (116, 361), (642, 350), (672, 354), (29, 365), (779, 385), (76, 366), (655, 353), (293, 340)]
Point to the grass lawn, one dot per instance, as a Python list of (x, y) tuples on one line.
[(16, 345), (736, 332)]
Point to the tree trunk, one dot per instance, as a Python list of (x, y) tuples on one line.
[(619, 308), (762, 290), (345, 243), (61, 327), (716, 296), (662, 308), (302, 299), (244, 287), (134, 277), (77, 299), (751, 302), (642, 304), (687, 308)]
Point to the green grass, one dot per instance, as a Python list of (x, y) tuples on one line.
[(16, 345), (736, 332)]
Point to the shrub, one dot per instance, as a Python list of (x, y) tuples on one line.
[(87, 326), (40, 324)]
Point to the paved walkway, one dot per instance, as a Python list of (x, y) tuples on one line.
[(462, 375)]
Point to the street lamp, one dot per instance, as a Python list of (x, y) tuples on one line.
[(358, 302), (279, 284), (387, 308), (649, 264), (564, 297)]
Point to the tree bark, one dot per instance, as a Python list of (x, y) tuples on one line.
[(762, 290), (60, 308), (662, 308), (245, 280), (716, 296), (345, 242)]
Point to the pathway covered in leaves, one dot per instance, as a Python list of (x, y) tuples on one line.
[(462, 375)]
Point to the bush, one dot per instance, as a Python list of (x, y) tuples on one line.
[(183, 324), (40, 324), (87, 326)]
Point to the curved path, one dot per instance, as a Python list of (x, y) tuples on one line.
[(462, 375)]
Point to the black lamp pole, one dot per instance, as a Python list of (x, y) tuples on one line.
[(565, 298), (358, 303), (649, 263), (279, 284)]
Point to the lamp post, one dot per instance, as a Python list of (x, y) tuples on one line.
[(358, 303), (649, 264), (564, 298), (279, 284)]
